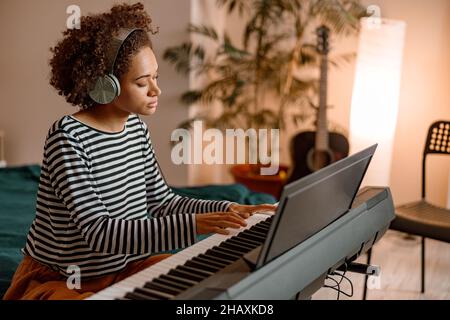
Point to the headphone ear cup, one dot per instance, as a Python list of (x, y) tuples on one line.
[(106, 89), (117, 83)]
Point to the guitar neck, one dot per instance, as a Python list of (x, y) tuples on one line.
[(322, 139)]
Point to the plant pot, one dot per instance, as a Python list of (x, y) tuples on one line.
[(249, 175)]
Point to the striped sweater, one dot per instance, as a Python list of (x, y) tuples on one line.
[(102, 201)]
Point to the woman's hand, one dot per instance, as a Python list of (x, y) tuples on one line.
[(246, 211), (218, 222)]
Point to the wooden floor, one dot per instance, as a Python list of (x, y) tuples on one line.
[(399, 258)]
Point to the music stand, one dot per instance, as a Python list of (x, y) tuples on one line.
[(313, 202)]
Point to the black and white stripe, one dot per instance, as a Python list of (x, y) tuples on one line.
[(102, 201)]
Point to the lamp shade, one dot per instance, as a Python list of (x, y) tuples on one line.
[(375, 99)]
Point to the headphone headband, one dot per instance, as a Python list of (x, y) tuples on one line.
[(115, 45)]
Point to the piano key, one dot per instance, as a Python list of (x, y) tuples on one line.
[(202, 266), (197, 250), (263, 235), (198, 272), (211, 262), (261, 229), (178, 279), (154, 294), (163, 288), (137, 296), (138, 279), (229, 252), (242, 243), (185, 274), (216, 259), (251, 237), (217, 253), (265, 224), (255, 236), (234, 247), (173, 284)]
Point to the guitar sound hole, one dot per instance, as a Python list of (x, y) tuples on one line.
[(319, 159)]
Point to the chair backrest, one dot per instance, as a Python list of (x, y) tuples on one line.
[(438, 142)]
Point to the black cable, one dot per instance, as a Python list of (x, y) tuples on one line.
[(351, 287), (340, 274), (337, 285), (338, 289)]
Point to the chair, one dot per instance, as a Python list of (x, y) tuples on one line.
[(422, 218)]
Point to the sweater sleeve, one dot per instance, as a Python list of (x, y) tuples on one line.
[(74, 185), (161, 200)]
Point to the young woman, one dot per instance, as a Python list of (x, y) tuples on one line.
[(103, 206)]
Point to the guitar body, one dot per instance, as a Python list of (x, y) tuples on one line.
[(303, 146)]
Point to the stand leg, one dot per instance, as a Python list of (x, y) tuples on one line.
[(422, 287), (366, 277)]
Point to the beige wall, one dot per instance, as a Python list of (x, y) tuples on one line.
[(424, 95), (28, 105)]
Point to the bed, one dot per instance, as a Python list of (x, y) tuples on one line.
[(18, 187)]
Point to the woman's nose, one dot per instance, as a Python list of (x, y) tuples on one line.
[(154, 89)]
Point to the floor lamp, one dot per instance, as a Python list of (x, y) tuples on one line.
[(375, 99), (376, 93)]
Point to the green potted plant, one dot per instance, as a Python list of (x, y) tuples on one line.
[(277, 43)]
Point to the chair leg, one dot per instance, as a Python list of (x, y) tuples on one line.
[(422, 287), (366, 277)]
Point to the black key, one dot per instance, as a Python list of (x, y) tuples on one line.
[(216, 253), (262, 230), (249, 236), (201, 266), (137, 296), (170, 283), (210, 261), (154, 294), (265, 224), (258, 232), (249, 239), (228, 251), (200, 273), (184, 274), (257, 235), (163, 288), (178, 279), (234, 247), (213, 258), (242, 243)]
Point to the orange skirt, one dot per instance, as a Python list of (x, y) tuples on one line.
[(35, 281)]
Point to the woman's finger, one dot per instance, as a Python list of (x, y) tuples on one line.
[(220, 230), (228, 224), (264, 207), (231, 216), (237, 215), (236, 218)]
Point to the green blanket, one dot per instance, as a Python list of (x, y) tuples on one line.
[(18, 187)]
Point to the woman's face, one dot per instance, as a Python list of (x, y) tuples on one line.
[(139, 90)]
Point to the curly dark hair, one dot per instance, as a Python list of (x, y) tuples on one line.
[(80, 57)]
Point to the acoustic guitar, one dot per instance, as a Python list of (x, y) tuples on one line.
[(311, 151)]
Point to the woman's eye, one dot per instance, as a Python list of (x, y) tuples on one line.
[(141, 85)]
